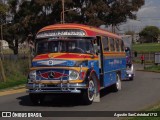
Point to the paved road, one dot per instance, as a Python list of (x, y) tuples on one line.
[(135, 95)]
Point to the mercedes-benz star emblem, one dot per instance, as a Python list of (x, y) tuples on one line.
[(51, 75), (50, 62)]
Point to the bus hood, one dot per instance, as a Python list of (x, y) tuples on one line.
[(61, 59)]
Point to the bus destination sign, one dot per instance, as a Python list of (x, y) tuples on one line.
[(61, 32)]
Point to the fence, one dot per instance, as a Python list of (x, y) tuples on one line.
[(12, 65), (149, 57)]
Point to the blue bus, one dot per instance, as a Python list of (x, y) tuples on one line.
[(77, 59)]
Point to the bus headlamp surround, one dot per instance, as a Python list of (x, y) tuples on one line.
[(32, 75), (73, 75)]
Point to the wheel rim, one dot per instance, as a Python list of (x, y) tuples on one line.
[(118, 83), (91, 90)]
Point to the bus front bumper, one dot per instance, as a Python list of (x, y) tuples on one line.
[(58, 88)]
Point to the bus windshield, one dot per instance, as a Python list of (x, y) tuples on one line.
[(49, 45)]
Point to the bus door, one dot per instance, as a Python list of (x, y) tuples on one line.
[(101, 62)]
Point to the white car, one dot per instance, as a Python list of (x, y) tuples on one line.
[(130, 72)]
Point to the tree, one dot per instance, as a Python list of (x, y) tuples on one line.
[(3, 9), (107, 12), (121, 10), (149, 34), (30, 16), (25, 20), (11, 32), (94, 12)]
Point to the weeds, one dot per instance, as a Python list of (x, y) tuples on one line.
[(15, 72)]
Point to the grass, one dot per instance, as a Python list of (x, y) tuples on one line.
[(12, 83), (146, 47), (15, 72), (146, 62), (155, 109), (154, 68)]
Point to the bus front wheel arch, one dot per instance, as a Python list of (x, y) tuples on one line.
[(91, 94)]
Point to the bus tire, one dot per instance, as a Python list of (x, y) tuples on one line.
[(131, 78), (117, 86), (37, 99), (89, 93)]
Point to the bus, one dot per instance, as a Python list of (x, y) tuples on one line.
[(77, 59)]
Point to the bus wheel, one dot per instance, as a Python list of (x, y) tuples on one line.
[(117, 86), (37, 99), (88, 94)]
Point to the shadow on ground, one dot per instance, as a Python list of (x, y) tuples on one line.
[(53, 100), (63, 100)]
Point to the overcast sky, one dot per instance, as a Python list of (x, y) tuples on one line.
[(149, 14)]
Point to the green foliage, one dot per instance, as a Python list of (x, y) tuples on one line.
[(155, 109), (30, 16), (146, 47), (123, 9), (16, 73), (145, 118), (3, 8), (130, 33), (12, 83), (150, 34), (95, 12), (154, 68)]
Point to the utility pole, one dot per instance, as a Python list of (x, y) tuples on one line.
[(62, 11)]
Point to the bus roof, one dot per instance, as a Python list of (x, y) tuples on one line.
[(89, 30)]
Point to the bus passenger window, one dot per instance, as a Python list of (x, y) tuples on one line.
[(117, 44), (105, 44), (112, 48)]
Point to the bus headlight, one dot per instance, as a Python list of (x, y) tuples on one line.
[(73, 75), (130, 75), (32, 75)]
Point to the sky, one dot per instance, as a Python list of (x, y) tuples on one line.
[(148, 15)]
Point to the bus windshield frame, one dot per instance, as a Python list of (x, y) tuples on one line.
[(81, 45)]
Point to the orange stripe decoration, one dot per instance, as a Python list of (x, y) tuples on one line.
[(115, 53), (66, 56), (91, 31), (66, 68)]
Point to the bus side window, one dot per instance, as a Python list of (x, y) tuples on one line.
[(122, 46), (105, 44), (117, 41), (112, 46)]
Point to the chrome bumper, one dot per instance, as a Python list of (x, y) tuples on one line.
[(59, 88)]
